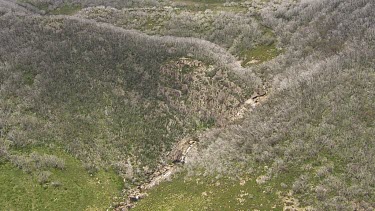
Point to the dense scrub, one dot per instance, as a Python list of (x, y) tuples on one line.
[(238, 32), (318, 122), (112, 98), (47, 6)]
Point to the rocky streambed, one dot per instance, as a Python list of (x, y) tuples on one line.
[(176, 158)]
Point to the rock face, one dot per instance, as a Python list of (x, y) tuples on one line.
[(179, 151), (256, 98)]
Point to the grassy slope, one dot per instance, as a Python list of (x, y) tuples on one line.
[(208, 193), (76, 189)]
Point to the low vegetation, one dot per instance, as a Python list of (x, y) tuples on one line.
[(94, 94), (317, 120), (259, 54), (66, 10), (57, 189), (113, 99), (209, 193), (238, 32)]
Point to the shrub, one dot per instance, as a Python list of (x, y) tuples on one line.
[(43, 177)]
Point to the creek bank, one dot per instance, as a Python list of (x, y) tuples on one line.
[(177, 157)]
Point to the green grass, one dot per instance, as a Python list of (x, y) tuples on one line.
[(77, 190), (206, 193), (215, 5), (66, 9), (28, 77), (259, 54)]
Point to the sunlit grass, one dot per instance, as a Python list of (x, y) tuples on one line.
[(259, 54), (72, 188), (207, 193)]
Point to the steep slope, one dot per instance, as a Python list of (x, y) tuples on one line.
[(110, 98), (87, 108), (311, 143)]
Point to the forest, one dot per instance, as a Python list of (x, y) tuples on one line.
[(98, 98)]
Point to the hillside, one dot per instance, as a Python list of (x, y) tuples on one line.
[(261, 105)]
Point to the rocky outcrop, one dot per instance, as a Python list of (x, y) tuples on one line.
[(256, 98), (180, 151)]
